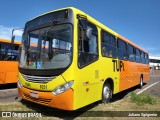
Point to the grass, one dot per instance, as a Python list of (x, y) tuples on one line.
[(142, 99)]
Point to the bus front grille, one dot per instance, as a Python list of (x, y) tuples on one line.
[(38, 100), (38, 79)]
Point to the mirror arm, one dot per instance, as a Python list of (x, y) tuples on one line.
[(80, 17), (13, 38)]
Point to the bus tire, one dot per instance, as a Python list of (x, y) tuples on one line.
[(141, 82), (106, 93)]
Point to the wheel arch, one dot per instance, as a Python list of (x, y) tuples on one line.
[(141, 75), (110, 81)]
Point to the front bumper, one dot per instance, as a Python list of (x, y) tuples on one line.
[(62, 101)]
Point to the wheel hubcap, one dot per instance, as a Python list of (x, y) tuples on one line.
[(106, 92), (141, 82)]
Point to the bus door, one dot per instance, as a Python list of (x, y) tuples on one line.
[(88, 68)]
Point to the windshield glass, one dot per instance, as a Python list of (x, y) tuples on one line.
[(47, 48)]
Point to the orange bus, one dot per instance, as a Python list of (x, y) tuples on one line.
[(76, 61), (9, 55)]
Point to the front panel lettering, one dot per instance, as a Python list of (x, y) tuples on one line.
[(43, 87)]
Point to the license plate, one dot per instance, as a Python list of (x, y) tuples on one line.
[(34, 94)]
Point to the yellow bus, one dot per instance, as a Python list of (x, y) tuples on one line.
[(9, 56), (70, 60)]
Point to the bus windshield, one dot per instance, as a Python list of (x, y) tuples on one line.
[(47, 48)]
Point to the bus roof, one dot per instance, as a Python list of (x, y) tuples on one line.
[(102, 26), (128, 41), (9, 41)]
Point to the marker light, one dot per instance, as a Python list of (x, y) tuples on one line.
[(19, 84), (63, 88)]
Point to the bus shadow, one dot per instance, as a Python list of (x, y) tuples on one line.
[(53, 112), (125, 93), (8, 86)]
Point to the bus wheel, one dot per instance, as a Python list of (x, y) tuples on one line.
[(106, 93), (141, 83)]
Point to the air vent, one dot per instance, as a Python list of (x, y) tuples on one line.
[(38, 79), (39, 100)]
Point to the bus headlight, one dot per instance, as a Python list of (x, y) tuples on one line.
[(19, 84), (63, 88)]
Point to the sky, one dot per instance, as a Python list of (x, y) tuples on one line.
[(137, 20)]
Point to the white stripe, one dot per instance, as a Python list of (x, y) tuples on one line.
[(147, 88)]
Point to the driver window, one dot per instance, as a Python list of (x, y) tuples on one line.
[(88, 48)]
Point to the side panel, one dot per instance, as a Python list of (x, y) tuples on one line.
[(87, 86), (131, 74), (126, 74), (90, 81), (8, 72), (146, 76), (138, 71), (110, 70)]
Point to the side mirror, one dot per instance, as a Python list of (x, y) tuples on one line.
[(89, 33)]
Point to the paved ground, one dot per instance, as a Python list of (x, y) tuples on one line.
[(155, 90), (155, 73), (152, 87), (8, 93)]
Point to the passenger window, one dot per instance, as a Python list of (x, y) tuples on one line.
[(142, 57), (108, 45), (138, 55), (122, 50), (146, 59), (16, 47), (131, 53)]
